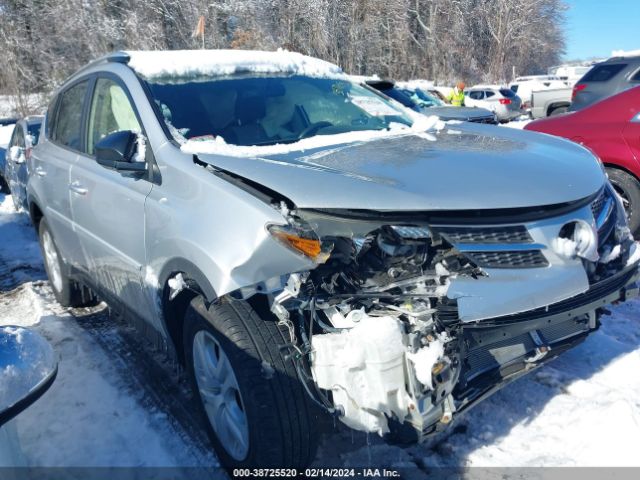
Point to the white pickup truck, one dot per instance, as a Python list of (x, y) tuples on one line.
[(545, 103)]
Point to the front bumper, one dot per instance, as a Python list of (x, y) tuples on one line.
[(500, 350)]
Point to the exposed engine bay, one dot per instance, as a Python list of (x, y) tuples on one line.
[(377, 330)]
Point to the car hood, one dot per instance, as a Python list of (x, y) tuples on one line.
[(471, 166), (458, 113)]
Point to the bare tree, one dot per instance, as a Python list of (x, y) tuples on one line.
[(43, 41)]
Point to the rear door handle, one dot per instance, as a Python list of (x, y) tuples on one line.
[(41, 172), (76, 187)]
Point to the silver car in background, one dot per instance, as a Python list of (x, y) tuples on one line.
[(500, 100), (308, 248)]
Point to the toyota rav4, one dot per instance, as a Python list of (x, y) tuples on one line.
[(306, 246)]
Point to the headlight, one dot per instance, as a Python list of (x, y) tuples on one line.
[(301, 239)]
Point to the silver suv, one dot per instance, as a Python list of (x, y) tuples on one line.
[(307, 247)]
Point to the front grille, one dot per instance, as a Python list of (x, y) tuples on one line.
[(489, 357), (509, 259), (598, 203), (560, 331), (490, 120), (504, 234), (492, 356)]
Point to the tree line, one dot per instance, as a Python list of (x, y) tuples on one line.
[(44, 41)]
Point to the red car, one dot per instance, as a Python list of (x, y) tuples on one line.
[(611, 129)]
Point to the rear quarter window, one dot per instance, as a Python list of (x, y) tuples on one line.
[(636, 76), (67, 130), (603, 73)]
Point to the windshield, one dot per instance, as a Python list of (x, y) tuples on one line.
[(271, 110), (424, 99)]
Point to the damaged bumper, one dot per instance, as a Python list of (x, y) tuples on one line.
[(407, 319)]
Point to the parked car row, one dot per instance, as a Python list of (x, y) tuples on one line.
[(424, 102), (308, 246)]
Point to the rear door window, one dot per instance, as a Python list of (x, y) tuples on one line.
[(603, 73), (476, 95), (68, 126), (17, 140)]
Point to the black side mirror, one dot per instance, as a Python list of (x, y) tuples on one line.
[(32, 368), (117, 150)]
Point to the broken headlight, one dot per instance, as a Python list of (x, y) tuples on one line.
[(302, 239)]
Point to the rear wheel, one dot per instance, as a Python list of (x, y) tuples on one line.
[(558, 111), (258, 413), (68, 293), (628, 187)]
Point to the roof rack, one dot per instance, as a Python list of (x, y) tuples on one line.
[(113, 57)]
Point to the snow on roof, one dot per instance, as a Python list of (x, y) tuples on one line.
[(159, 64), (416, 84), (627, 53)]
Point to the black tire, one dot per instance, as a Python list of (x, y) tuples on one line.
[(558, 111), (281, 420), (628, 188), (4, 186), (68, 292)]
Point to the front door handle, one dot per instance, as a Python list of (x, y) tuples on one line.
[(76, 187), (41, 172)]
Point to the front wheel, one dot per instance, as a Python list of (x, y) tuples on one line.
[(258, 413), (628, 187)]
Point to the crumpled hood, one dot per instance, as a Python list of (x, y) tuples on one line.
[(461, 167), (458, 113)]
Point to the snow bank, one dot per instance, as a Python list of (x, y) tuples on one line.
[(161, 64), (217, 146)]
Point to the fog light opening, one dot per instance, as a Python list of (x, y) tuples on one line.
[(577, 239)]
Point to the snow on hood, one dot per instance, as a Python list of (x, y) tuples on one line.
[(158, 64), (422, 125), (481, 167)]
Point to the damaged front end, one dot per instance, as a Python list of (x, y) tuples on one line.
[(409, 318)]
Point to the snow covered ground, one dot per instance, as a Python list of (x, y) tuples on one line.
[(117, 403)]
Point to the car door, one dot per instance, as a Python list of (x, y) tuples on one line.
[(631, 134), (51, 163), (11, 161), (108, 206), (474, 98)]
